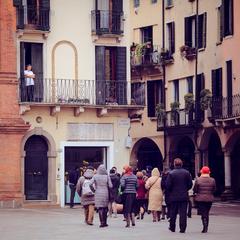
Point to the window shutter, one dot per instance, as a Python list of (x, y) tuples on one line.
[(44, 13), (222, 25), (231, 19), (121, 76), (214, 83), (100, 75), (117, 12), (220, 81), (150, 99), (188, 32), (172, 37), (200, 31), (17, 3), (204, 30)]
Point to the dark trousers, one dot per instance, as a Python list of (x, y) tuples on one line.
[(29, 93), (181, 209), (189, 213), (73, 191)]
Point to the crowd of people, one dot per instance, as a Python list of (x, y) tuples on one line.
[(134, 193)]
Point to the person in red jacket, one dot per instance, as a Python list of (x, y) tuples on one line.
[(141, 195)]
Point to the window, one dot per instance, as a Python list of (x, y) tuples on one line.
[(154, 1), (171, 37), (190, 84), (190, 31), (176, 90), (154, 96), (169, 3), (136, 3), (147, 34), (217, 82), (226, 27)]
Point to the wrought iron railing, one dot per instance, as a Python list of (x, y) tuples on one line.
[(226, 107), (176, 119), (80, 92), (107, 22), (145, 55), (33, 17)]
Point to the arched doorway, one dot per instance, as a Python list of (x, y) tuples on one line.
[(185, 151), (235, 167), (148, 154), (36, 168), (216, 162)]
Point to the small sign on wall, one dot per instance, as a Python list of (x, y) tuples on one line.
[(90, 132), (124, 122)]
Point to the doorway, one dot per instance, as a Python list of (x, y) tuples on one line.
[(36, 168), (81, 158)]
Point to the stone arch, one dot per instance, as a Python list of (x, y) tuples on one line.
[(232, 140), (140, 148), (75, 56), (52, 155)]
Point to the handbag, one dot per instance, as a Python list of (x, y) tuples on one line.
[(147, 193)]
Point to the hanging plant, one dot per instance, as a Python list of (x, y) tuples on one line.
[(205, 99), (160, 112), (189, 102), (174, 109), (139, 49)]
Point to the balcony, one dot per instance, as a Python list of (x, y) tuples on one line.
[(166, 57), (107, 22), (33, 18), (177, 122), (71, 92), (145, 55), (226, 109)]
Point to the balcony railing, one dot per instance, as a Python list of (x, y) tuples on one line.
[(145, 55), (79, 92), (33, 18), (107, 22), (180, 118), (226, 107)]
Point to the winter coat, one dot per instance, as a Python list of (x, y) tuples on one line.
[(141, 191), (115, 179), (102, 184), (179, 181), (73, 177), (164, 187), (153, 184), (129, 183), (85, 200), (204, 188)]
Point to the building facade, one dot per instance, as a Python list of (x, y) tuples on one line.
[(201, 90), (81, 99)]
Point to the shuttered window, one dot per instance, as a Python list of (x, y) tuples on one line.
[(227, 17), (190, 84), (171, 37), (154, 96), (217, 82), (176, 90)]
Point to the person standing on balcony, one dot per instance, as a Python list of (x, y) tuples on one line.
[(29, 82)]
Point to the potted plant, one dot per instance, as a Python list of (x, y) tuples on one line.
[(189, 102), (160, 113), (174, 111), (188, 52), (205, 99)]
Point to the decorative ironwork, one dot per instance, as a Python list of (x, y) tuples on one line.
[(107, 22), (226, 107), (82, 92)]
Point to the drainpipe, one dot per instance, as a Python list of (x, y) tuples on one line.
[(196, 72), (164, 82)]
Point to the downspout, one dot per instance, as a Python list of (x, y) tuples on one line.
[(164, 82), (196, 73)]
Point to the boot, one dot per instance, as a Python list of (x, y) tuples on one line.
[(158, 216), (132, 216), (105, 211), (101, 217), (127, 220), (205, 224)]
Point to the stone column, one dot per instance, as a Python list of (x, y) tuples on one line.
[(197, 161), (227, 194)]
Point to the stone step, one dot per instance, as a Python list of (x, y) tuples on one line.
[(40, 204)]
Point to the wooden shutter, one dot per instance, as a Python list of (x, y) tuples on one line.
[(20, 14), (121, 76), (188, 32), (222, 24), (100, 75), (44, 13), (204, 30), (231, 17), (214, 83), (172, 38), (117, 11), (150, 99), (229, 86), (37, 65), (22, 68)]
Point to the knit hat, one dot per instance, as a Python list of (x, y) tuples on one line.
[(205, 170), (127, 169)]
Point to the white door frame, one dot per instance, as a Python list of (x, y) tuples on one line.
[(109, 161)]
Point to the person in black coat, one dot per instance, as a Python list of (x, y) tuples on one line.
[(113, 192), (73, 179), (166, 194), (178, 182)]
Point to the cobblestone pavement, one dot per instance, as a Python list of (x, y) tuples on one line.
[(65, 224)]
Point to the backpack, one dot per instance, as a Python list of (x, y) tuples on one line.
[(87, 190)]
